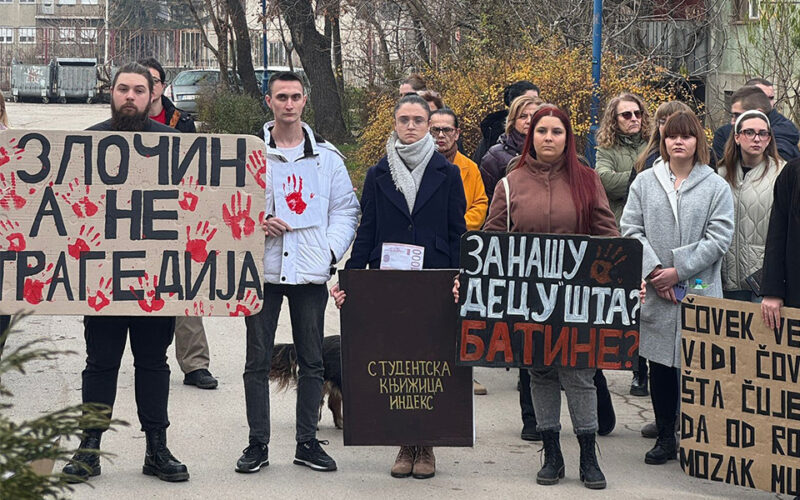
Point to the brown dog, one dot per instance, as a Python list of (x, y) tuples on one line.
[(284, 373)]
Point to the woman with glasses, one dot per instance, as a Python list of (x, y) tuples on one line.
[(413, 196), (682, 212), (751, 165), (494, 162), (622, 137)]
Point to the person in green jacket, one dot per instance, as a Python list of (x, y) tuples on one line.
[(622, 136)]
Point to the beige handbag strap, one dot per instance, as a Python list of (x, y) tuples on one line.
[(508, 204)]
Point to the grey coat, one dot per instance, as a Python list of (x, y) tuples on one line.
[(689, 230)]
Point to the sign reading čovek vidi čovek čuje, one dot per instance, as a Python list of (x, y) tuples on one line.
[(400, 382), (740, 399), (538, 300), (113, 223)]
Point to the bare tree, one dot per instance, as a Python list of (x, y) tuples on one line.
[(244, 56), (218, 14)]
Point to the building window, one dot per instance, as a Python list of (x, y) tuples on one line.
[(27, 1), (6, 35), (67, 2), (66, 34), (89, 2), (276, 54), (5, 1), (26, 35), (753, 9), (88, 35)]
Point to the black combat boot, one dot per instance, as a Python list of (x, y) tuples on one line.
[(553, 468), (159, 462), (85, 463), (591, 475), (666, 447)]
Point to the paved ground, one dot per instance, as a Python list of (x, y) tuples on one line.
[(209, 429)]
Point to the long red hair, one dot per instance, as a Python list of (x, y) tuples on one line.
[(581, 178)]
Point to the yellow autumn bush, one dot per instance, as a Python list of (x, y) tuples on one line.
[(473, 88)]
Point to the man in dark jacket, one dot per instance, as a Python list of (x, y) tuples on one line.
[(191, 344), (495, 123), (750, 97), (150, 336)]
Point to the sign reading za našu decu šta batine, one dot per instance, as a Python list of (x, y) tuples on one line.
[(549, 299), (740, 399), (113, 223)]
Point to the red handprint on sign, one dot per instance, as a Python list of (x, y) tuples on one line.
[(246, 306), (15, 239), (5, 154), (87, 238), (33, 287), (78, 199), (100, 299), (257, 166), (238, 218), (190, 199), (10, 198), (147, 298), (294, 197), (197, 245), (199, 309)]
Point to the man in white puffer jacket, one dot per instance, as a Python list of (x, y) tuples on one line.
[(310, 221)]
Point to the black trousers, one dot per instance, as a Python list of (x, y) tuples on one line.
[(664, 387), (105, 342), (5, 320)]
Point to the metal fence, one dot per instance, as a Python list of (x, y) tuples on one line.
[(175, 49)]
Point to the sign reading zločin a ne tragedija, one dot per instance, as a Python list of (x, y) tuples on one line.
[(122, 223)]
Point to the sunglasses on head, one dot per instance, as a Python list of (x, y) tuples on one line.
[(629, 114)]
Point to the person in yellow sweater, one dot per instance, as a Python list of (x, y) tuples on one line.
[(445, 132)]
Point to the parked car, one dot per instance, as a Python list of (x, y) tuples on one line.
[(187, 84)]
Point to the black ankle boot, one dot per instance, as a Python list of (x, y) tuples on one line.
[(158, 461), (666, 447), (591, 475), (84, 464), (553, 467)]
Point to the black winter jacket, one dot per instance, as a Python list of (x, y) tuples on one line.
[(781, 265), (494, 162), (183, 122), (491, 128), (150, 126)]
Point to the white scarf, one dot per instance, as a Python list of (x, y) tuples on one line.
[(407, 163)]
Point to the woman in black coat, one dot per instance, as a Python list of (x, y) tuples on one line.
[(780, 285)]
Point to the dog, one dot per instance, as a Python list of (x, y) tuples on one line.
[(284, 373)]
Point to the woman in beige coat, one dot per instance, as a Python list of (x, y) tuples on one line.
[(751, 165)]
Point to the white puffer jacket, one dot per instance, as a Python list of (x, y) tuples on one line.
[(303, 256), (752, 204)]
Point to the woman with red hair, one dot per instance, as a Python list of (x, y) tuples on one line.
[(548, 190)]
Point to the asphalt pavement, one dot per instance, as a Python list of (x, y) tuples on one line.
[(209, 430)]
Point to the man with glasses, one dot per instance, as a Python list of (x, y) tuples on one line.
[(191, 344), (759, 94)]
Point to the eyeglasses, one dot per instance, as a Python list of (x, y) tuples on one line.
[(628, 114), (407, 120), (750, 133), (442, 130)]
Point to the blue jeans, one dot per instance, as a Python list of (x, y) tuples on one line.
[(307, 313)]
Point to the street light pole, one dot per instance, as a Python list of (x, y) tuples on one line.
[(597, 43), (265, 76)]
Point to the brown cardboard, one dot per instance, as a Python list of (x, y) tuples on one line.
[(733, 366), (108, 223)]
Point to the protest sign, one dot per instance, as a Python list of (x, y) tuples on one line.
[(400, 385), (113, 223), (538, 300), (740, 402)]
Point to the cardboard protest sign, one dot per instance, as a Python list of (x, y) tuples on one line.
[(740, 400), (399, 380), (295, 187), (540, 300), (113, 223)]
